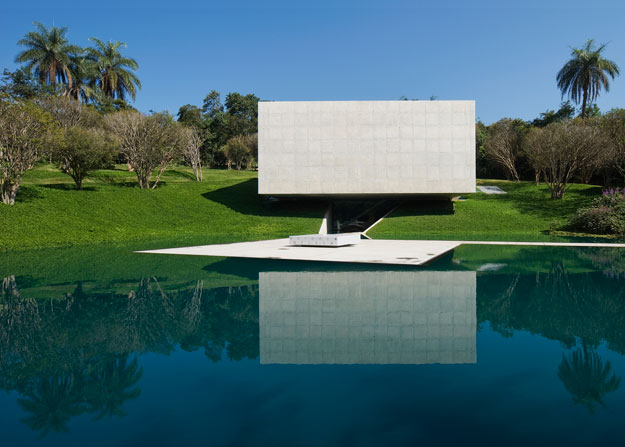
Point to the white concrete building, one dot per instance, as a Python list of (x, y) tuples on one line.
[(367, 317), (357, 148)]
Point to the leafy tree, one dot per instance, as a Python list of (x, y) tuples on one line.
[(613, 124), (505, 143), (115, 73), (212, 105), (190, 115), (583, 77), (22, 85), (49, 52), (481, 159), (593, 111), (237, 151), (106, 105), (566, 111), (148, 142), (23, 131), (242, 113), (239, 116), (81, 151)]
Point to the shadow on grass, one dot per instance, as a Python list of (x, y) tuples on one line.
[(180, 174), (26, 194), (243, 198), (68, 187)]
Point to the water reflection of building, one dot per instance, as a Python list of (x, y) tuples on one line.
[(367, 317)]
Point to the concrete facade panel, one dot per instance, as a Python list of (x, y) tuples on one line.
[(366, 147)]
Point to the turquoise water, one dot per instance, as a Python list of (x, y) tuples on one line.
[(488, 346)]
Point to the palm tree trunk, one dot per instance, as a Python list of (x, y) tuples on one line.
[(584, 99)]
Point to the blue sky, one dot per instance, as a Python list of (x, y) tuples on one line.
[(503, 54)]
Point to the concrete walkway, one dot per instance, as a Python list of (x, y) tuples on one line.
[(375, 251)]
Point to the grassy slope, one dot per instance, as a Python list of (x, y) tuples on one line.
[(526, 213), (49, 212)]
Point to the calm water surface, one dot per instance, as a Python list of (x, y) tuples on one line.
[(490, 345)]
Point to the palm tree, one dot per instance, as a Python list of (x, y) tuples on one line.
[(84, 73), (116, 75), (586, 74), (48, 52)]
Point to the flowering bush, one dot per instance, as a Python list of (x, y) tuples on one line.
[(606, 214)]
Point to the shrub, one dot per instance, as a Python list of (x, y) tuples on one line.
[(606, 214), (81, 151)]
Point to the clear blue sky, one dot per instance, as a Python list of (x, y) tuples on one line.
[(503, 54)]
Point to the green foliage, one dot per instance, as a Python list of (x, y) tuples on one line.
[(238, 117), (21, 84), (82, 151), (482, 163), (605, 215), (190, 115), (105, 105), (584, 76), (566, 111), (241, 151), (212, 105)]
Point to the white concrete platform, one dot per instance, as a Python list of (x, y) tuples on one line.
[(372, 251), (366, 251)]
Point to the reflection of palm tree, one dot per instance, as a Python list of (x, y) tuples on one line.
[(52, 403), (586, 377), (111, 386)]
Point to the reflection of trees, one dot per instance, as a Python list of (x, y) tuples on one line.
[(147, 317), (557, 304), (610, 260), (566, 307), (587, 378), (73, 355)]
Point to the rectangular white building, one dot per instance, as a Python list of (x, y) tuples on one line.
[(357, 148)]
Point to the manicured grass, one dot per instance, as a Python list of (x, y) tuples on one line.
[(526, 213), (225, 207)]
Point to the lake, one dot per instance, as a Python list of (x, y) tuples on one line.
[(488, 345)]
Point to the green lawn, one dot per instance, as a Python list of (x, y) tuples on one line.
[(526, 213), (50, 213), (225, 207)]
